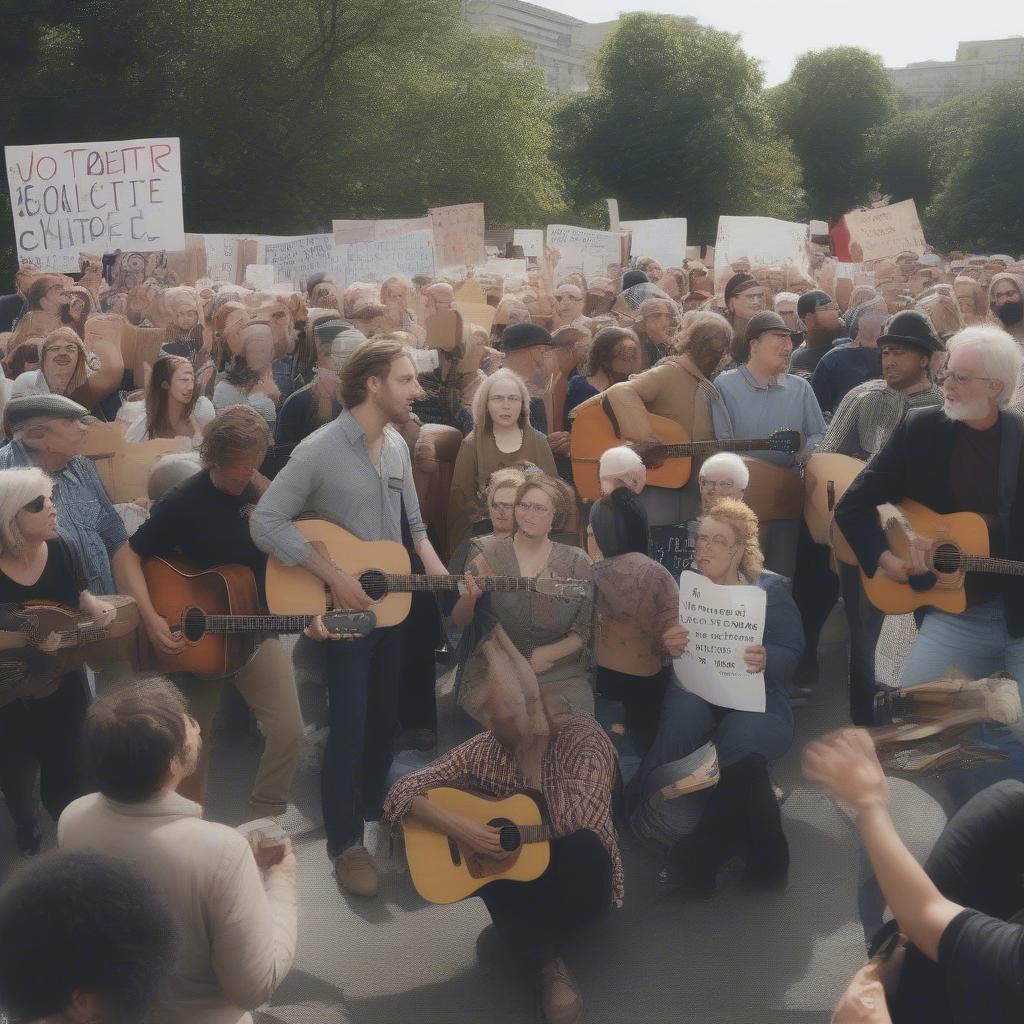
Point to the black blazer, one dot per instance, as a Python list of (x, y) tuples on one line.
[(914, 463)]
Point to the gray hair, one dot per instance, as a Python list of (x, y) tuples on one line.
[(481, 418), (1000, 356), (731, 464), (18, 487), (784, 297)]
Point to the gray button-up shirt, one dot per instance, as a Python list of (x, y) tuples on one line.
[(331, 475), (85, 516)]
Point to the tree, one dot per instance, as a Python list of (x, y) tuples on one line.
[(675, 124), (833, 99)]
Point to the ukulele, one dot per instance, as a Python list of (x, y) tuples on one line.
[(218, 613), (382, 569), (444, 871)]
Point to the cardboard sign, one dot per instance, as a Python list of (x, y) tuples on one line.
[(96, 197), (583, 250), (347, 232), (298, 258), (402, 254), (532, 241), (222, 257), (458, 235), (722, 623), (885, 232), (259, 276), (765, 241), (663, 239)]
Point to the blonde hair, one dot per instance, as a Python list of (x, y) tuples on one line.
[(81, 374), (18, 487), (742, 520), (481, 417), (560, 495), (508, 476)]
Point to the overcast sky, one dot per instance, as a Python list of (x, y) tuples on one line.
[(776, 33)]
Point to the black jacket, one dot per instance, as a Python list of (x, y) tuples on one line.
[(914, 463)]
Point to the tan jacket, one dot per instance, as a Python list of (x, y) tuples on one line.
[(238, 938)]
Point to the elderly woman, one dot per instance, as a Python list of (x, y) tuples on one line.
[(614, 355), (552, 633), (621, 467), (249, 379), (741, 812), (658, 321), (501, 436), (37, 564), (173, 406)]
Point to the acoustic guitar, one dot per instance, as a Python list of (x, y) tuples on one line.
[(29, 671), (382, 569), (826, 479), (218, 613), (959, 544), (445, 871), (669, 463)]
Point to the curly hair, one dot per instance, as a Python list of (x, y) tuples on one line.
[(507, 476), (234, 431), (742, 520), (700, 332), (561, 497)]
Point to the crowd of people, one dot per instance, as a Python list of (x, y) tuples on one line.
[(381, 409)]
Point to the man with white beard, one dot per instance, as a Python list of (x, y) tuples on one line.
[(961, 457)]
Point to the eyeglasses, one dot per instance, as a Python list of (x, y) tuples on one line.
[(717, 540), (35, 505), (502, 506), (532, 506), (958, 378), (716, 485)]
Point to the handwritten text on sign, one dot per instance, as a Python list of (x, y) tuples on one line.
[(722, 622), (886, 232), (95, 196)]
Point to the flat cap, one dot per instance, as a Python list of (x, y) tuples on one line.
[(524, 335), (44, 407), (765, 321)]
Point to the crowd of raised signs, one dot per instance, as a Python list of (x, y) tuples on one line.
[(514, 369)]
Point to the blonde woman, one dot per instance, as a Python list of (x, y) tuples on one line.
[(741, 811), (501, 437), (37, 564)]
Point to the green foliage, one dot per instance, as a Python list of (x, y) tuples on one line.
[(831, 102), (675, 124)]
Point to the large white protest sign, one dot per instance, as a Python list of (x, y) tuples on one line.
[(373, 261), (722, 623), (502, 267), (96, 197), (531, 240), (765, 241), (663, 239), (885, 232), (221, 257), (295, 259), (349, 231), (583, 250)]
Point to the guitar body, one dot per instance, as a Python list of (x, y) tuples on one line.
[(445, 872), (175, 586), (774, 492), (965, 531), (293, 590), (594, 432), (826, 478)]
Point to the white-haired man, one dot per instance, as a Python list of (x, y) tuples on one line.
[(961, 457)]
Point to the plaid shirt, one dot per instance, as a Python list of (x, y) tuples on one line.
[(577, 776)]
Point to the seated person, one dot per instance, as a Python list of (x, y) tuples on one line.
[(621, 467), (741, 812), (237, 926), (722, 475), (552, 632), (501, 504), (173, 406), (82, 938), (530, 742), (960, 913)]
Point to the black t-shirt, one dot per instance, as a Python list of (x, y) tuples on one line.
[(202, 524), (60, 581)]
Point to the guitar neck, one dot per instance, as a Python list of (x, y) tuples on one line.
[(257, 623), (534, 833), (1003, 566), (691, 448), (405, 583), (80, 635)]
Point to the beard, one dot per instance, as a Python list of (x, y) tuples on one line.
[(962, 411)]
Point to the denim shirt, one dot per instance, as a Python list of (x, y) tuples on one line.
[(85, 516)]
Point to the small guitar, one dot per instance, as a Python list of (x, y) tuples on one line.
[(959, 544), (444, 871), (382, 568), (669, 462), (218, 613), (32, 671)]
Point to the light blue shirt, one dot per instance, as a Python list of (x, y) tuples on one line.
[(758, 410)]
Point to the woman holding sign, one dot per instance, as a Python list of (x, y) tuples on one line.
[(740, 814)]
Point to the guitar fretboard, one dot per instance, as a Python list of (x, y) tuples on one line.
[(688, 448), (978, 563), (409, 582), (257, 623)]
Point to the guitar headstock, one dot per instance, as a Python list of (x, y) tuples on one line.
[(788, 441), (571, 590), (349, 625)]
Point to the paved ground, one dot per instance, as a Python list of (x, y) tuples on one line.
[(738, 958)]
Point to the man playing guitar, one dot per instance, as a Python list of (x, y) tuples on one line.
[(356, 472)]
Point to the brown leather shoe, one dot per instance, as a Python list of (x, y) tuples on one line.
[(356, 873), (560, 1000)]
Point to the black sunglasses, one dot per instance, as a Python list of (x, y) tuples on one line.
[(35, 505)]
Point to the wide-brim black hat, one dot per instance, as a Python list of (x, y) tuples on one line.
[(912, 328)]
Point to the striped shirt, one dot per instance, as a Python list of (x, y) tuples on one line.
[(577, 776)]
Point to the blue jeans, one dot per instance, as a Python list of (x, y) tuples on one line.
[(362, 686)]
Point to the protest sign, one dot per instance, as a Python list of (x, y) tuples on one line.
[(222, 257), (764, 241), (297, 258), (504, 268), (96, 197), (663, 239), (349, 231), (458, 235), (531, 240), (583, 250), (408, 254), (259, 276), (613, 215), (885, 232), (722, 622)]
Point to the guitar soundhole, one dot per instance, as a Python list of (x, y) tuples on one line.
[(946, 558), (193, 624), (510, 839), (374, 582)]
